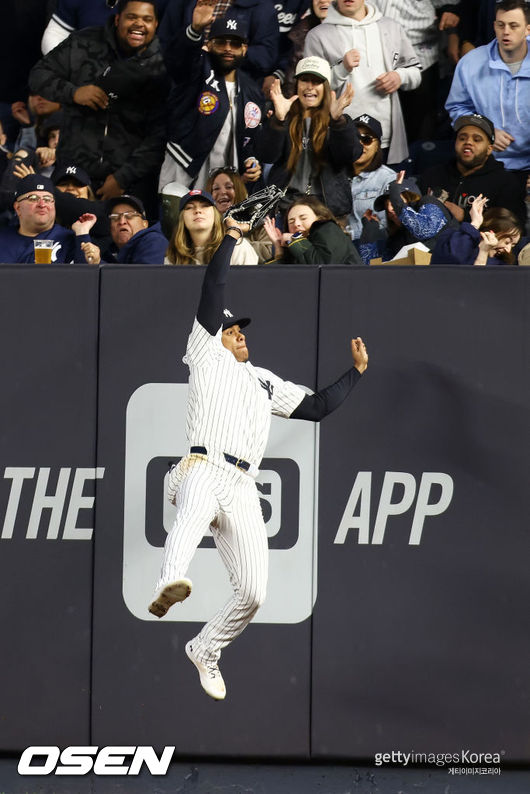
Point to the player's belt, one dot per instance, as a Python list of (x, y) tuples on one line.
[(239, 463)]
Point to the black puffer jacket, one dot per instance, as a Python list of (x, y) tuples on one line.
[(126, 140)]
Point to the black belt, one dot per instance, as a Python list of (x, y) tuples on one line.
[(239, 463)]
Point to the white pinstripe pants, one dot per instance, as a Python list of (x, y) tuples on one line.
[(207, 492)]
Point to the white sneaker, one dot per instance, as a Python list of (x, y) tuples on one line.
[(169, 595), (210, 675)]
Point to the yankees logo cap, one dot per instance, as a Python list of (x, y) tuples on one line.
[(35, 183), (73, 172), (368, 121), (229, 28), (229, 320)]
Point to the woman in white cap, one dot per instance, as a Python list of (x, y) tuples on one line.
[(199, 233), (309, 140)]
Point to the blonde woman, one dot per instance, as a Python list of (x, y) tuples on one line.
[(199, 233)]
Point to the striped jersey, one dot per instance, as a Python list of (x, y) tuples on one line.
[(418, 19), (230, 402)]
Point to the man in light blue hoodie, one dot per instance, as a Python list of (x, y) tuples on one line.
[(494, 80), (374, 54)]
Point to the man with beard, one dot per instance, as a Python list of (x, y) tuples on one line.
[(216, 107), (474, 171), (112, 85)]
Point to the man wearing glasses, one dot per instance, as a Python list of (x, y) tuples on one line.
[(35, 207), (134, 242)]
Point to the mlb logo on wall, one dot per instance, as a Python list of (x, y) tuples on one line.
[(155, 436)]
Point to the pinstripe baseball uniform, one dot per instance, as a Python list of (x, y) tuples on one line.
[(229, 410), (230, 403)]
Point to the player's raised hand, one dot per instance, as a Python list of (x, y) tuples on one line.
[(360, 354), (282, 105), (232, 224)]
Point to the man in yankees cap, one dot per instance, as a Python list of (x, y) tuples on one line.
[(216, 108), (230, 402)]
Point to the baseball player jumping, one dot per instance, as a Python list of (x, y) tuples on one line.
[(229, 411)]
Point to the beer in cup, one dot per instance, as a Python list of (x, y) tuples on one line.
[(43, 251)]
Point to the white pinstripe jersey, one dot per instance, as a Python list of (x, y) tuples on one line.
[(230, 402)]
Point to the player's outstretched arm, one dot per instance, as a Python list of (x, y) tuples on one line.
[(319, 405), (359, 354), (212, 301)]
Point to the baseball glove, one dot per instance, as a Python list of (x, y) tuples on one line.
[(254, 209)]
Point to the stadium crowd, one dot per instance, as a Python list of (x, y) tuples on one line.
[(129, 128)]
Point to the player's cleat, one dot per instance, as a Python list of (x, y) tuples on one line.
[(167, 596), (210, 675)]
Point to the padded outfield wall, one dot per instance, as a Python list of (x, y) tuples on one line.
[(397, 607)]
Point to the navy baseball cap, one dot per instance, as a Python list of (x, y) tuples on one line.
[(373, 125), (476, 120), (73, 172), (35, 183), (126, 199), (196, 194), (230, 320), (229, 28)]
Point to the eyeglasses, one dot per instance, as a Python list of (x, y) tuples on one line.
[(127, 216), (34, 198), (234, 44), (366, 140)]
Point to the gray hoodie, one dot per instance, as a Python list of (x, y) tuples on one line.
[(384, 47)]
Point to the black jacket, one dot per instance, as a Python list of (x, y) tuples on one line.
[(200, 105), (127, 139), (341, 149), (326, 244), (502, 187)]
